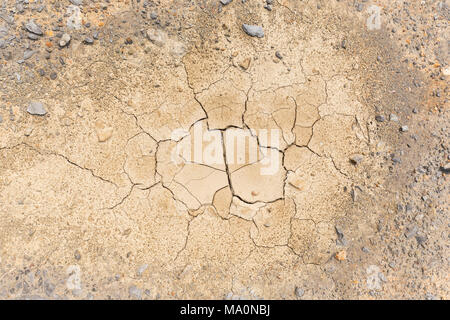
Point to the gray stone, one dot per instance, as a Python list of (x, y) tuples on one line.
[(141, 269), (430, 296), (88, 40), (253, 31), (8, 19), (445, 168), (379, 118), (225, 2), (356, 158), (411, 231), (158, 37), (393, 117), (7, 55), (19, 7), (32, 27), (36, 108), (135, 292), (76, 2), (49, 288), (354, 195), (74, 21), (65, 39), (299, 292), (421, 238), (341, 238), (404, 129), (77, 292), (32, 36), (28, 54)]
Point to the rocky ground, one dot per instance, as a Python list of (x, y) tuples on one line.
[(97, 97)]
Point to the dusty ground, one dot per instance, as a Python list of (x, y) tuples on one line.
[(95, 201)]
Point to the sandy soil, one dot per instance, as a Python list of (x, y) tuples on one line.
[(120, 176)]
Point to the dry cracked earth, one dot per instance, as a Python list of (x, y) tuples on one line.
[(119, 178)]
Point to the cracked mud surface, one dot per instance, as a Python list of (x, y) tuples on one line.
[(93, 203)]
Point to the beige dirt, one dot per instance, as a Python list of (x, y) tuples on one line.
[(93, 205)]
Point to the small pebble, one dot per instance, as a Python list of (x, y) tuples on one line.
[(135, 292), (88, 41), (32, 27), (65, 39), (253, 31), (356, 158), (393, 117), (36, 108), (28, 54), (77, 2), (142, 269), (299, 292)]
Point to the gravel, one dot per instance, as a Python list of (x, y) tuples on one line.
[(445, 168), (156, 36), (356, 158), (32, 27), (88, 41), (142, 269), (393, 117), (299, 292), (32, 36), (65, 39), (49, 288), (253, 30), (380, 118), (36, 108), (28, 54), (135, 292)]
